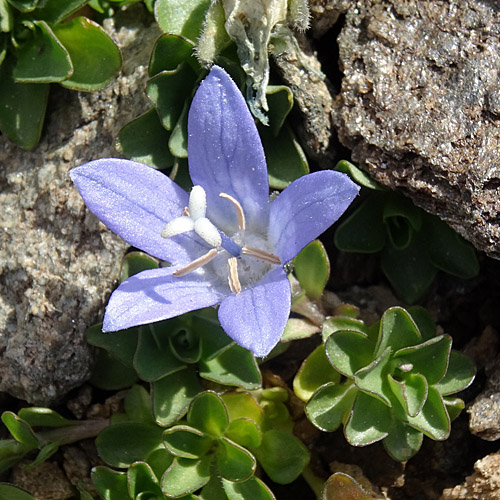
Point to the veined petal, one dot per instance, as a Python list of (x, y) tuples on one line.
[(306, 208), (136, 202), (225, 153), (256, 317), (156, 295)]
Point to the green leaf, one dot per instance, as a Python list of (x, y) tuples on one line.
[(424, 322), (357, 175), (245, 432), (369, 421), (299, 328), (122, 345), (312, 268), (410, 271), (169, 90), (252, 488), (329, 404), (338, 323), (110, 374), (45, 453), (242, 405), (10, 492), (185, 342), (430, 358), (145, 140), (282, 455), (349, 351), (181, 17), (137, 405), (153, 358), (453, 406), (187, 442), (234, 366), (280, 102), (185, 476), (24, 5), (286, 160), (234, 463), (340, 486), (121, 444), (141, 478), (22, 108), (177, 143), (169, 52), (55, 11), (44, 417), (411, 392), (315, 371), (403, 441), (5, 18), (448, 251), (363, 231), (43, 58), (402, 219), (433, 420), (11, 452), (172, 395), (20, 430), (459, 375), (111, 484), (397, 330), (96, 59), (159, 460), (208, 414), (136, 262), (374, 377)]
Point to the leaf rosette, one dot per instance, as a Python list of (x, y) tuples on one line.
[(396, 384)]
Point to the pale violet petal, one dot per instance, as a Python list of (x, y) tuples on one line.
[(256, 317), (156, 295), (136, 202), (306, 208), (208, 232), (178, 226), (225, 153), (197, 202)]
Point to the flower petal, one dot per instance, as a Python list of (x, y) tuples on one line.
[(306, 208), (225, 153), (136, 202), (256, 317), (156, 295)]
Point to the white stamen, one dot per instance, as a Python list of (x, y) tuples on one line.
[(177, 226), (239, 209), (261, 254), (199, 262), (234, 280), (197, 203), (208, 232)]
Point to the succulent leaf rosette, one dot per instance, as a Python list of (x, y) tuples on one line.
[(400, 378)]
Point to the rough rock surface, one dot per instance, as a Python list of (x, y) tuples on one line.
[(484, 483), (57, 262), (420, 105)]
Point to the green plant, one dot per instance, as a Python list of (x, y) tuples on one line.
[(37, 48), (413, 244), (400, 379)]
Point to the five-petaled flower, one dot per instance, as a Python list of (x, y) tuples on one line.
[(226, 242)]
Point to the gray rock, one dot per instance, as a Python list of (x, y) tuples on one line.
[(57, 262), (419, 106)]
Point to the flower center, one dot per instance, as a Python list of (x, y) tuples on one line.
[(249, 258)]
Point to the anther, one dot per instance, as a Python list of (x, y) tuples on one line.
[(261, 255), (199, 262), (239, 210), (186, 212), (233, 278)]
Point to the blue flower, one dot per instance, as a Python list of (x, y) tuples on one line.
[(226, 242)]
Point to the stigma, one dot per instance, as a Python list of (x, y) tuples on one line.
[(194, 219)]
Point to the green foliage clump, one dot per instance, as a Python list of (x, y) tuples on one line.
[(41, 43), (400, 378)]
